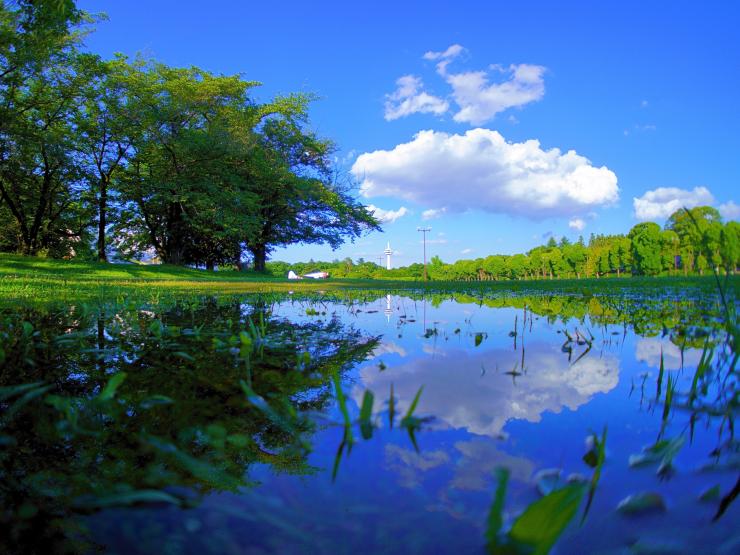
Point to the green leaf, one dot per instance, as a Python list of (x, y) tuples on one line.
[(264, 407), (13, 390), (391, 408), (496, 513), (183, 355), (545, 520), (415, 402), (663, 452), (660, 374), (478, 338), (109, 391), (245, 339), (155, 401), (600, 447), (342, 402), (711, 494), (27, 397), (366, 413)]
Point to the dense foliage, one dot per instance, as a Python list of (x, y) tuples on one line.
[(177, 164), (694, 240)]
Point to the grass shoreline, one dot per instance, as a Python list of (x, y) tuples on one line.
[(39, 279)]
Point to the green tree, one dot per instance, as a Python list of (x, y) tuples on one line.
[(37, 91), (106, 127), (38, 172), (711, 243), (516, 266), (495, 266), (669, 249), (575, 256), (690, 225), (298, 197), (646, 242), (182, 190), (730, 246)]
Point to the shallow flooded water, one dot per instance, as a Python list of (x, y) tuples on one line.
[(370, 424)]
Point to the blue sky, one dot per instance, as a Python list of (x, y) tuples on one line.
[(644, 93)]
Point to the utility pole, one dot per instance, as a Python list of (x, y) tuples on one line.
[(424, 231)]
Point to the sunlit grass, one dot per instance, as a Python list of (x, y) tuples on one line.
[(39, 279)]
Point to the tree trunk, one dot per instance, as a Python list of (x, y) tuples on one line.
[(102, 207), (259, 252)]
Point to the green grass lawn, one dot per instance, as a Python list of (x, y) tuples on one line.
[(41, 279)]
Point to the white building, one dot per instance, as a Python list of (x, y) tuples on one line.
[(388, 252)]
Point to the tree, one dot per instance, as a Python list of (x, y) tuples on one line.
[(39, 176), (106, 128), (646, 241), (575, 256), (730, 246), (516, 266), (38, 89), (537, 261), (669, 248), (690, 225), (619, 254), (181, 191), (495, 266), (298, 198), (711, 242)]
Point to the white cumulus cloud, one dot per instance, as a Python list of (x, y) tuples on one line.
[(660, 203), (387, 216), (577, 224), (410, 98), (729, 211), (482, 405), (650, 349), (479, 95), (480, 170), (480, 100), (433, 213), (451, 52)]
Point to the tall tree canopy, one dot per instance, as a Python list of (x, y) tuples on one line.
[(178, 161)]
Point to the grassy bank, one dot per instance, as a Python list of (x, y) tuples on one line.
[(38, 279)]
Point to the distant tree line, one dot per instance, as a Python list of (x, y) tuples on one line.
[(692, 242), (139, 158)]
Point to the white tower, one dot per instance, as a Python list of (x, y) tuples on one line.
[(388, 252)]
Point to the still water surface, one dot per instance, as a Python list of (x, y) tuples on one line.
[(518, 383)]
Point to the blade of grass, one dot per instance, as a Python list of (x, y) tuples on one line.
[(366, 413), (496, 512)]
